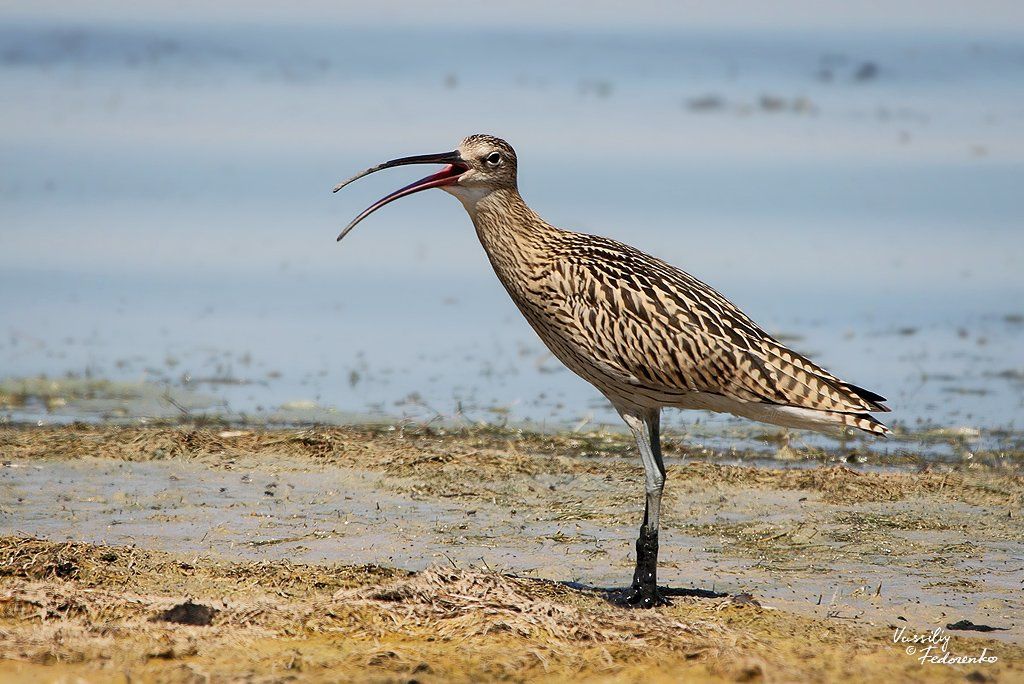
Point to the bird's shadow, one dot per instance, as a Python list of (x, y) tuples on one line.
[(612, 594)]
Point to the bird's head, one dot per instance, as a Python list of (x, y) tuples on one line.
[(480, 165), (490, 164)]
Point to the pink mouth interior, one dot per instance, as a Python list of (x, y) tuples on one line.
[(446, 176), (449, 175)]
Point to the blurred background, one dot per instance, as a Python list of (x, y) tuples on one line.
[(850, 174)]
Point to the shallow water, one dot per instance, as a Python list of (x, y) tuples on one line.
[(167, 214)]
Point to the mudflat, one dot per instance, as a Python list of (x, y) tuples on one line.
[(189, 552)]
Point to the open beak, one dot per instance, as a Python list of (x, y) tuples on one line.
[(446, 176)]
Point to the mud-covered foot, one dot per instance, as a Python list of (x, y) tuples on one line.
[(642, 596), (644, 592)]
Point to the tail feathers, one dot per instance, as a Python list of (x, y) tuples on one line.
[(865, 422), (876, 401)]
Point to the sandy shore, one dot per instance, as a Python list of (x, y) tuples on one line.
[(392, 555)]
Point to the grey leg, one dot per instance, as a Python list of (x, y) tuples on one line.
[(646, 426)]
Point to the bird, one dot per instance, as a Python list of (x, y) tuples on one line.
[(645, 334)]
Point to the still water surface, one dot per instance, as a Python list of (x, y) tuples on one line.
[(167, 215)]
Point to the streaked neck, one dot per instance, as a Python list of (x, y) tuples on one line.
[(502, 210), (516, 239)]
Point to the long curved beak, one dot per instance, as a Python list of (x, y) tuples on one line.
[(446, 176)]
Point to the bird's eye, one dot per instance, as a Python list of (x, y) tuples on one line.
[(493, 159)]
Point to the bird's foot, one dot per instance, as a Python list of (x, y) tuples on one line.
[(642, 596), (644, 591)]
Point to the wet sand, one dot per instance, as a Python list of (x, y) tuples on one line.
[(402, 554)]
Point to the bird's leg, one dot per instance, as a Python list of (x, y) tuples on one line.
[(644, 591)]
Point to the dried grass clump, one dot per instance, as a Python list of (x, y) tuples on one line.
[(60, 622), (458, 604), (148, 443), (839, 484)]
